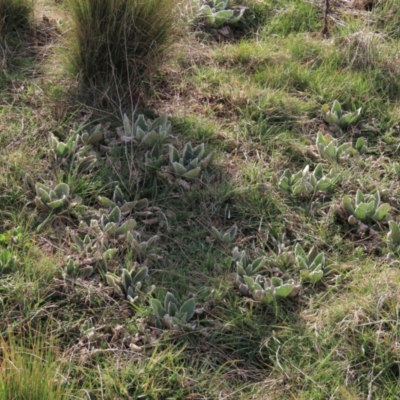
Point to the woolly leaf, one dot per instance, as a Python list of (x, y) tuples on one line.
[(188, 308), (381, 212), (140, 275)]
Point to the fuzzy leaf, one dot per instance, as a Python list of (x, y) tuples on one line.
[(172, 309), (118, 196), (347, 205), (55, 204), (86, 272), (173, 154), (126, 279), (198, 151), (62, 190), (394, 232), (109, 254), (258, 264), (318, 172), (95, 137), (299, 252), (194, 173), (43, 194), (396, 167), (169, 297), (324, 184), (359, 197), (140, 275), (284, 184), (362, 211), (206, 161), (336, 108), (284, 290), (216, 233), (128, 225), (179, 168), (222, 17), (105, 202), (157, 307), (115, 215), (381, 212), (188, 308), (140, 204)]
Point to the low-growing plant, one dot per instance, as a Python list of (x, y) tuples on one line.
[(361, 145), (112, 226), (306, 183), (60, 151), (172, 314), (144, 131), (153, 159), (142, 250), (268, 290), (191, 162), (8, 261), (74, 270), (94, 247), (227, 236), (131, 283), (72, 153), (118, 200), (51, 199), (365, 208), (393, 237), (244, 266), (330, 149), (396, 168), (336, 118), (91, 135), (216, 13), (116, 45), (311, 265)]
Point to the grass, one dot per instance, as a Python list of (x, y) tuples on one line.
[(116, 45), (15, 14), (254, 100), (29, 369)]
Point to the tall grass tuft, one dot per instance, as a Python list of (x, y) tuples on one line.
[(116, 44), (28, 370), (15, 14)]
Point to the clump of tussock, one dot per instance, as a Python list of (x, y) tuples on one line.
[(15, 14), (116, 44), (361, 50)]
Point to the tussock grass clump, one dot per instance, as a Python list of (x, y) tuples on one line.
[(15, 13), (28, 370), (119, 43)]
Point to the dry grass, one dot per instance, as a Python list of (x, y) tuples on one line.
[(115, 45)]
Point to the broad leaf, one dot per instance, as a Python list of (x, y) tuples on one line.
[(188, 308), (128, 225), (179, 168), (284, 290), (347, 205), (194, 173), (362, 211), (157, 307), (140, 275), (169, 297), (381, 212), (337, 109), (115, 215)]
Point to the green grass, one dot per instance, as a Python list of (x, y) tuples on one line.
[(114, 46), (30, 370), (15, 14), (255, 102)]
